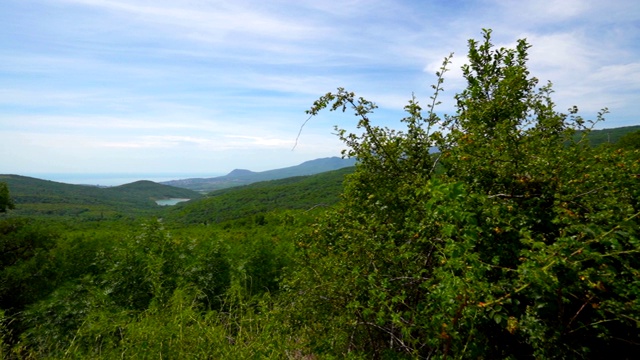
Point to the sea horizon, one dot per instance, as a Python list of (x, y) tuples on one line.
[(115, 179)]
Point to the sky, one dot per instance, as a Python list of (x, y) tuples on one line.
[(190, 86)]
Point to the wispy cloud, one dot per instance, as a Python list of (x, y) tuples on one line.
[(175, 84)]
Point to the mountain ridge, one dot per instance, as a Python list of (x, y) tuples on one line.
[(238, 177)]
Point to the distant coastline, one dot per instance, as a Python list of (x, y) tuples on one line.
[(115, 179)]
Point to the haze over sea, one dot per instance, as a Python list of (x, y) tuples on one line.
[(115, 179)]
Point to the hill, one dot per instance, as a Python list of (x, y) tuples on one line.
[(301, 192), (612, 135), (36, 197), (240, 177)]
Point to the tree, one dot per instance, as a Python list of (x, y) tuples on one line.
[(6, 203), (515, 240), (629, 141)]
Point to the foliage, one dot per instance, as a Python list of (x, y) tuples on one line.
[(144, 289), (607, 136), (49, 199), (514, 241), (630, 141), (25, 273), (122, 280), (6, 203), (303, 192)]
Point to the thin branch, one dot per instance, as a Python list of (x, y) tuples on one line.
[(580, 310), (508, 196), (300, 132), (592, 324), (315, 206), (435, 163), (406, 348), (589, 192), (367, 126)]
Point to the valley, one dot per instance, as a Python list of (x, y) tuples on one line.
[(327, 258)]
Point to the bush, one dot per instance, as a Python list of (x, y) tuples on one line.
[(513, 241)]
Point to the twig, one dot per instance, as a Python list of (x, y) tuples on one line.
[(592, 324), (435, 163), (589, 192), (395, 337), (300, 132), (315, 206), (508, 196), (580, 310)]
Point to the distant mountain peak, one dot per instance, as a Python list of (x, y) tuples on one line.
[(239, 177), (240, 172)]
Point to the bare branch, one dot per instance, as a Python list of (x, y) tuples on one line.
[(300, 132)]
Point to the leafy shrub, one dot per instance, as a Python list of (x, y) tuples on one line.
[(513, 241)]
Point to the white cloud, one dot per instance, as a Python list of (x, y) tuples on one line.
[(219, 82)]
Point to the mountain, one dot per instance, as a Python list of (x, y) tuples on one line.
[(240, 177), (35, 197)]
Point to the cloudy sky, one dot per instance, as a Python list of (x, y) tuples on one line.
[(206, 86)]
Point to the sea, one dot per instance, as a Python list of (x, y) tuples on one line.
[(115, 179)]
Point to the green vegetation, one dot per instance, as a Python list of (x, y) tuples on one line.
[(629, 141), (241, 177), (42, 198), (518, 240), (607, 136), (523, 246), (303, 192), (6, 202)]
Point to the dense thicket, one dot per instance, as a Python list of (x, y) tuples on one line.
[(141, 290), (516, 240)]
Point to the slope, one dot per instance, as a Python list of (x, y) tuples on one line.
[(612, 135), (240, 177), (36, 197), (302, 192)]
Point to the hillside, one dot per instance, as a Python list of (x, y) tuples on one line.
[(36, 197), (240, 177), (241, 192), (599, 137), (301, 192)]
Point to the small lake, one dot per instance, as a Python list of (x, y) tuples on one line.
[(169, 202)]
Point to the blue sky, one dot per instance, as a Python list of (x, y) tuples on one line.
[(189, 86)]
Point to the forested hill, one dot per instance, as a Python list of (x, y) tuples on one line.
[(36, 197), (239, 177), (300, 192), (612, 135)]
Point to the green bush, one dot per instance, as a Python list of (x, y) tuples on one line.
[(513, 241)]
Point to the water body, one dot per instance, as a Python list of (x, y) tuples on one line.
[(170, 202)]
